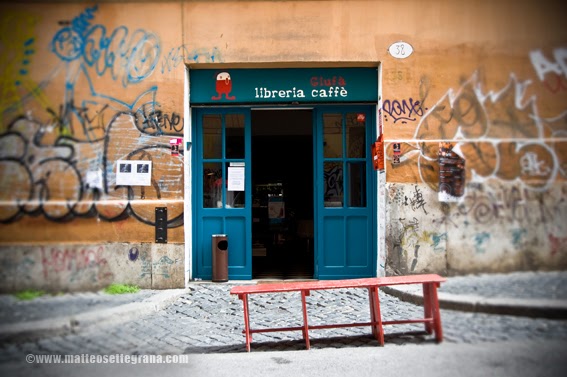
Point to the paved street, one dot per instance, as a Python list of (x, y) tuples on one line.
[(206, 319)]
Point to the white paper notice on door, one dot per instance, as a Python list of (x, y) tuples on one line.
[(235, 178), (133, 173)]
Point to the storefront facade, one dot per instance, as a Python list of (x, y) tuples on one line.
[(256, 196), (132, 132)]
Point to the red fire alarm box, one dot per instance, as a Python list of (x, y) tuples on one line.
[(378, 154)]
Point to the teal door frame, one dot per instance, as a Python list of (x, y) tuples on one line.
[(221, 217), (345, 237)]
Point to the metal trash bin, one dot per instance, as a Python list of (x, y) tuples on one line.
[(220, 257)]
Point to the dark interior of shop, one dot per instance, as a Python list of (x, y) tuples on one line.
[(282, 182)]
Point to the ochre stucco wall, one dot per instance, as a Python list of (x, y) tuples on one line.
[(82, 87), (489, 76)]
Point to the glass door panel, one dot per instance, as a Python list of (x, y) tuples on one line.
[(344, 208), (222, 189)]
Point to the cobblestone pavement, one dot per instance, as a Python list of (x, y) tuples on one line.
[(519, 285), (208, 320)]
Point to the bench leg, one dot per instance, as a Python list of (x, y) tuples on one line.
[(244, 299), (375, 315), (372, 312), (434, 302), (427, 306), (305, 323)]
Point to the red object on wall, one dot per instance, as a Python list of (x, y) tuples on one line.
[(378, 154), (175, 146), (223, 86)]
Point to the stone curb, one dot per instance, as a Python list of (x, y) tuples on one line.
[(33, 330), (536, 308)]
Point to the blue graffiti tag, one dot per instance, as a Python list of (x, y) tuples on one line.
[(176, 55), (517, 235), (436, 239), (130, 56), (480, 239), (88, 50)]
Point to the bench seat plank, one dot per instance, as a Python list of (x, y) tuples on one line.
[(336, 284), (303, 286)]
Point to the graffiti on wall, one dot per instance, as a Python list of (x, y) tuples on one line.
[(104, 112), (161, 267), (512, 204), (129, 57), (483, 124), (79, 267), (551, 72), (406, 234), (414, 200), (177, 55), (80, 264), (516, 166), (503, 221), (18, 38), (38, 171), (404, 110), (408, 237)]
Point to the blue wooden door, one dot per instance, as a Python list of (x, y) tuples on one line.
[(345, 203), (222, 196)]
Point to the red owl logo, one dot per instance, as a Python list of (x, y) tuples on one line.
[(224, 86)]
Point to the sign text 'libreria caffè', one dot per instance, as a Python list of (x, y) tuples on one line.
[(294, 85)]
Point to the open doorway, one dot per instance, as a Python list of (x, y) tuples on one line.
[(282, 190)]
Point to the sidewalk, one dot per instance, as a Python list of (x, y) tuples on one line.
[(57, 315), (530, 294)]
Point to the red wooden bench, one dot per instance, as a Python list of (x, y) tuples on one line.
[(430, 283)]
